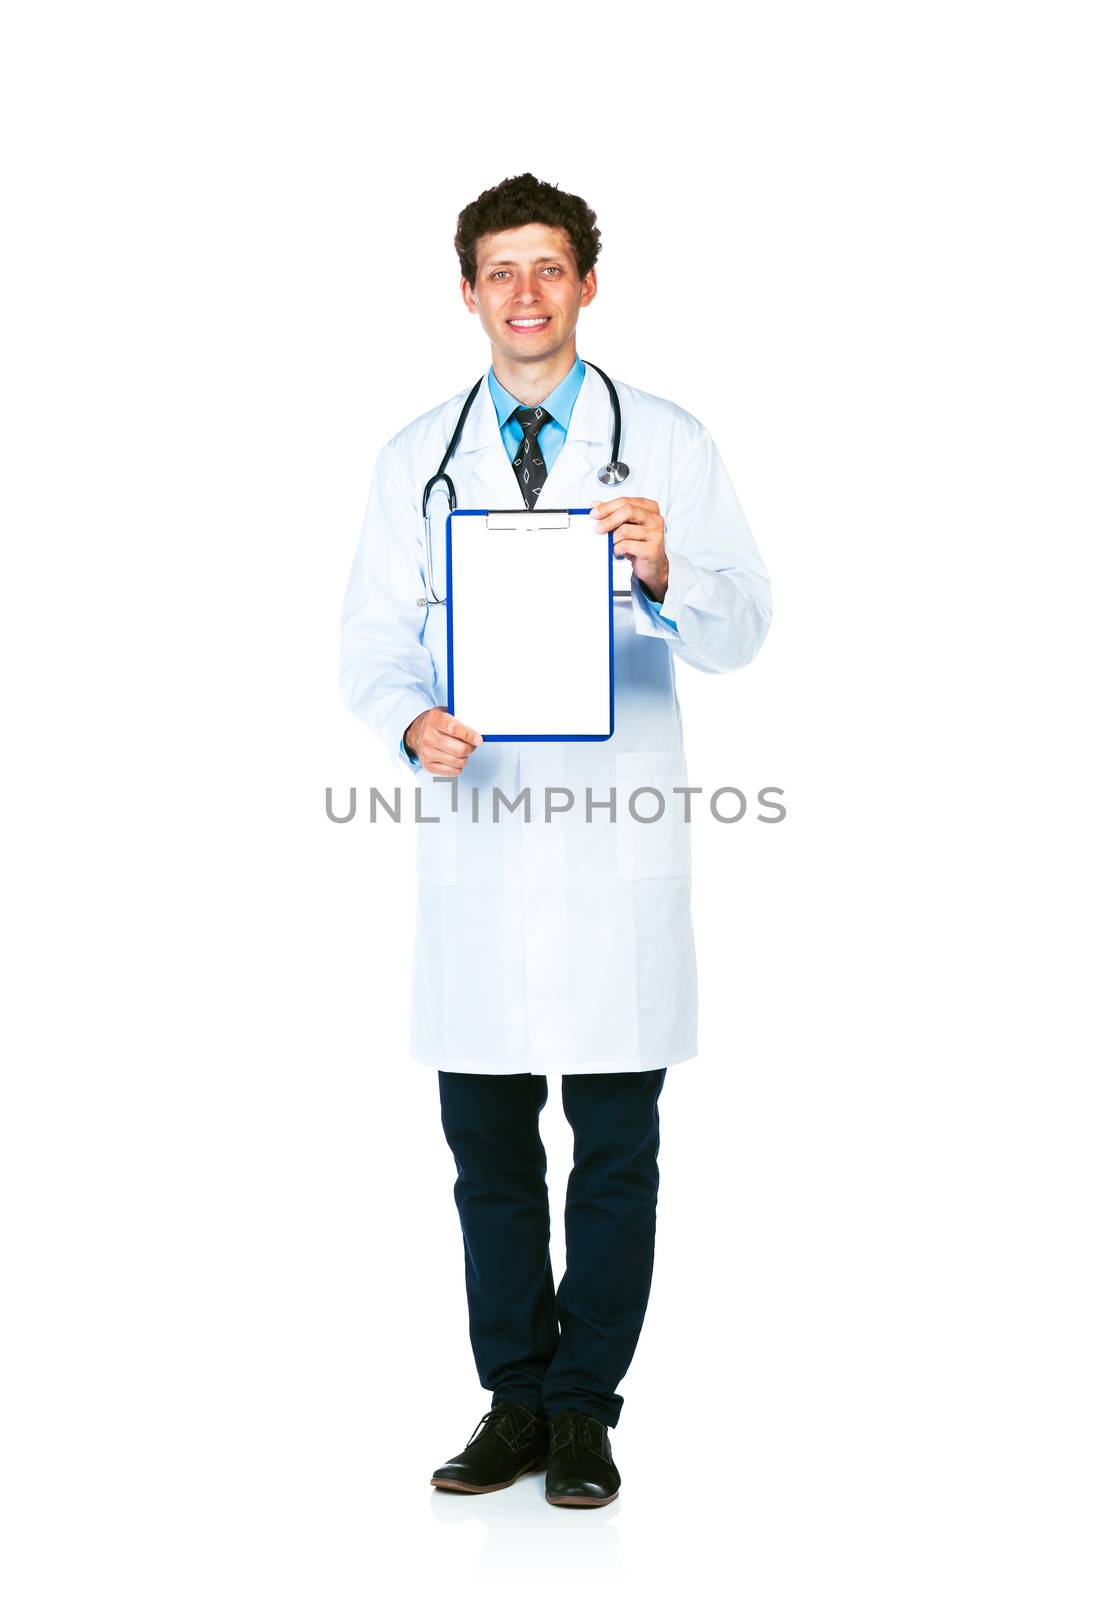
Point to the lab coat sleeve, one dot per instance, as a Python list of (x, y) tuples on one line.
[(386, 673), (719, 591)]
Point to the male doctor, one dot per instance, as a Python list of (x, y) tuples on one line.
[(551, 937)]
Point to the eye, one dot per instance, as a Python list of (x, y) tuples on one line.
[(501, 273), (553, 269)]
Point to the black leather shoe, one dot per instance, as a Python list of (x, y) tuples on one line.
[(513, 1441), (580, 1462)]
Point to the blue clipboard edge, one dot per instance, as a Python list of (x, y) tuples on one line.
[(528, 738)]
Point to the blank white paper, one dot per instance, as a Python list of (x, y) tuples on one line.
[(530, 622)]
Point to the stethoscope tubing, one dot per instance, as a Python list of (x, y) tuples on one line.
[(614, 473)]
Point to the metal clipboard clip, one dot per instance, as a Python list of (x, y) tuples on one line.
[(557, 522)]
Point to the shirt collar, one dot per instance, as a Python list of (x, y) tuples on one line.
[(560, 402)]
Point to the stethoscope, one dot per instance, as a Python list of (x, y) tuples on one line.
[(614, 473)]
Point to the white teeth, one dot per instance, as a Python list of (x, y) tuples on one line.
[(526, 322)]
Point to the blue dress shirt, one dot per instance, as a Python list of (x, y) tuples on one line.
[(560, 404)]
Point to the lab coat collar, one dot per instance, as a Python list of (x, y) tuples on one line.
[(559, 403), (589, 438)]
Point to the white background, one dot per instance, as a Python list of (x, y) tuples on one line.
[(861, 243)]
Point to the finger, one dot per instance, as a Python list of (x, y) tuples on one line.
[(624, 546), (442, 744), (459, 730), (602, 508), (638, 515), (449, 764)]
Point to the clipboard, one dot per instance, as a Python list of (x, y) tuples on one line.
[(530, 656)]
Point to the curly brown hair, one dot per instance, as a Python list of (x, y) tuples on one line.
[(516, 201)]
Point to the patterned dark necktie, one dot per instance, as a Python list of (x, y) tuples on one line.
[(528, 463)]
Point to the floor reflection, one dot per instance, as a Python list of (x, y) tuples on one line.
[(525, 1536)]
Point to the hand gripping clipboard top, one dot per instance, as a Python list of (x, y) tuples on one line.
[(530, 624)]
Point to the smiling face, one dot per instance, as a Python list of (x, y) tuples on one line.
[(527, 293)]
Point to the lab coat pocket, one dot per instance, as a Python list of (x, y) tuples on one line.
[(659, 848)]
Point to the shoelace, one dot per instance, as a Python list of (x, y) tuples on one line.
[(504, 1411), (570, 1428)]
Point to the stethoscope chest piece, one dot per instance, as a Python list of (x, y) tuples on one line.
[(614, 473)]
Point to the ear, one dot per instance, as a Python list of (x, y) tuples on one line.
[(468, 295), (589, 286)]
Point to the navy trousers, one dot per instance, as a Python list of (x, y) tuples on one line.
[(553, 1349)]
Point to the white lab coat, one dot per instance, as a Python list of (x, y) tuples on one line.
[(560, 945)]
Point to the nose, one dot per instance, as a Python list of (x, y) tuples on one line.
[(527, 287)]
